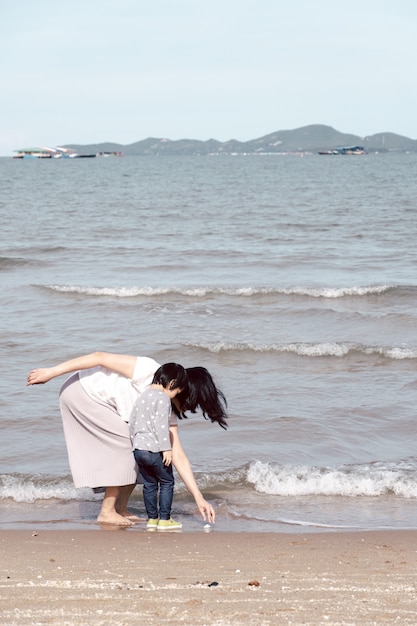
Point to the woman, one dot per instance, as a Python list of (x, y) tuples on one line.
[(96, 403)]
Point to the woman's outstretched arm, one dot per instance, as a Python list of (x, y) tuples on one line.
[(183, 467), (121, 363)]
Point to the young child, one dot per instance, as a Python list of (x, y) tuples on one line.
[(149, 431)]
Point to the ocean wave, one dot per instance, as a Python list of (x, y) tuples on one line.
[(375, 479), (287, 521), (337, 292), (201, 292), (23, 488), (324, 349), (366, 480), (7, 263)]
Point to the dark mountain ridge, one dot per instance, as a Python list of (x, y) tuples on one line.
[(307, 139)]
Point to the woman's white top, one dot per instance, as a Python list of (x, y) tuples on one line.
[(117, 391)]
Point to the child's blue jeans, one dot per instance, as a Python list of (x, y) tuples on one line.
[(156, 476)]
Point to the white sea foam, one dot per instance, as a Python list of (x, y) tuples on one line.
[(290, 522), (29, 489), (201, 292), (338, 292), (350, 481), (330, 348)]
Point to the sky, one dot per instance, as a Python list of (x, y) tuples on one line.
[(90, 71)]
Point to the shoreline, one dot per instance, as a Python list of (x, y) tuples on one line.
[(74, 577), (315, 515)]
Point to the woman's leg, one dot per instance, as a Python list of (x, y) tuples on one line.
[(108, 513), (122, 500)]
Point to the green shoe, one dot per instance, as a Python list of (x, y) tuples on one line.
[(169, 524), (152, 523)]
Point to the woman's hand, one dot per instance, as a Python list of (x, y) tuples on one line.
[(206, 511), (39, 376)]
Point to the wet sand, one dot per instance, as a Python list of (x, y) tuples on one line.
[(207, 578)]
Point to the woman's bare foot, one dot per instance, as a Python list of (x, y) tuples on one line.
[(111, 507), (114, 518), (131, 516)]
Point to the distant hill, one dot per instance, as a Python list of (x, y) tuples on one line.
[(307, 139)]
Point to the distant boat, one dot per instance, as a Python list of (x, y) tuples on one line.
[(109, 154), (49, 153), (344, 150), (33, 153)]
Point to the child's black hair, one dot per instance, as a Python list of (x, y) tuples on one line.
[(171, 372)]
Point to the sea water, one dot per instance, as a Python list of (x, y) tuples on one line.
[(292, 279)]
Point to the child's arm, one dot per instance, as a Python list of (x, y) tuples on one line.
[(121, 363)]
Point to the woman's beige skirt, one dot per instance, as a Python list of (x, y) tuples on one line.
[(98, 441)]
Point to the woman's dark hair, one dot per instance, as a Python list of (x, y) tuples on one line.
[(171, 372), (202, 393)]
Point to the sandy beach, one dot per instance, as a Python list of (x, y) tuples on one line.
[(121, 577)]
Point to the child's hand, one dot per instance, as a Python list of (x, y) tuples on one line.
[(167, 457)]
